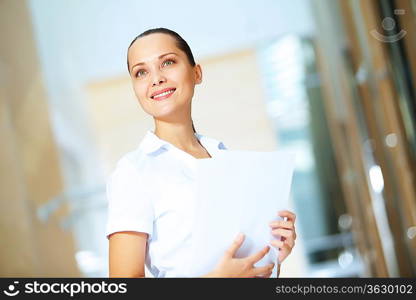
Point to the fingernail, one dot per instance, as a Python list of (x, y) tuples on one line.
[(239, 236)]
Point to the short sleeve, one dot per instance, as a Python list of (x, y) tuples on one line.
[(129, 204)]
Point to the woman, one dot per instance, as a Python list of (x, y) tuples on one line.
[(143, 226)]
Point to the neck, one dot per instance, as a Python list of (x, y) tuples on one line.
[(180, 134)]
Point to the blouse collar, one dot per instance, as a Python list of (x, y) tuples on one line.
[(151, 143)]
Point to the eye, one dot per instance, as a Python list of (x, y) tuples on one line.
[(141, 73), (168, 62)]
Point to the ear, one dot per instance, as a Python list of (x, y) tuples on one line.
[(198, 74)]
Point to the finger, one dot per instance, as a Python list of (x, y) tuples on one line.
[(288, 214), (230, 252), (284, 238), (283, 232), (277, 244), (282, 224), (290, 240), (264, 275), (284, 249), (284, 252), (259, 255), (263, 270), (280, 244)]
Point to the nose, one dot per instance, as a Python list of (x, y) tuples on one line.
[(158, 79)]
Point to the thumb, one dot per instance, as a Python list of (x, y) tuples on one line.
[(235, 245)]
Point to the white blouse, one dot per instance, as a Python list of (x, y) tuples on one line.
[(152, 190)]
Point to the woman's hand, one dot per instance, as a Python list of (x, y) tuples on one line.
[(229, 266), (287, 233)]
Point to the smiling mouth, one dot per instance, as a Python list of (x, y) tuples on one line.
[(163, 95)]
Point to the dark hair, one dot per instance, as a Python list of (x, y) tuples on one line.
[(180, 43)]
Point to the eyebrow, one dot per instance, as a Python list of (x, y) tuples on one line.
[(142, 63)]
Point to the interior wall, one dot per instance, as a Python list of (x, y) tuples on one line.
[(29, 168)]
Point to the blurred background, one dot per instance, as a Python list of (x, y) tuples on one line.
[(331, 80)]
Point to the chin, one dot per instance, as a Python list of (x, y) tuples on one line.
[(164, 116)]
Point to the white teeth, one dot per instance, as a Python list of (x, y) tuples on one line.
[(164, 94)]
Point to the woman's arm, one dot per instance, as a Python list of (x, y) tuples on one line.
[(127, 253)]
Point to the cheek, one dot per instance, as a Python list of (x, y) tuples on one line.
[(180, 75), (187, 84), (139, 90), (141, 96)]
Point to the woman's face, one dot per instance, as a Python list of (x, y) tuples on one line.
[(158, 66)]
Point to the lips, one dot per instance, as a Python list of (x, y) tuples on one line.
[(162, 93)]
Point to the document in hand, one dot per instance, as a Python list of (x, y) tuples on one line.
[(238, 191)]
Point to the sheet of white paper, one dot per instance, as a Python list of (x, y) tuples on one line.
[(238, 191)]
